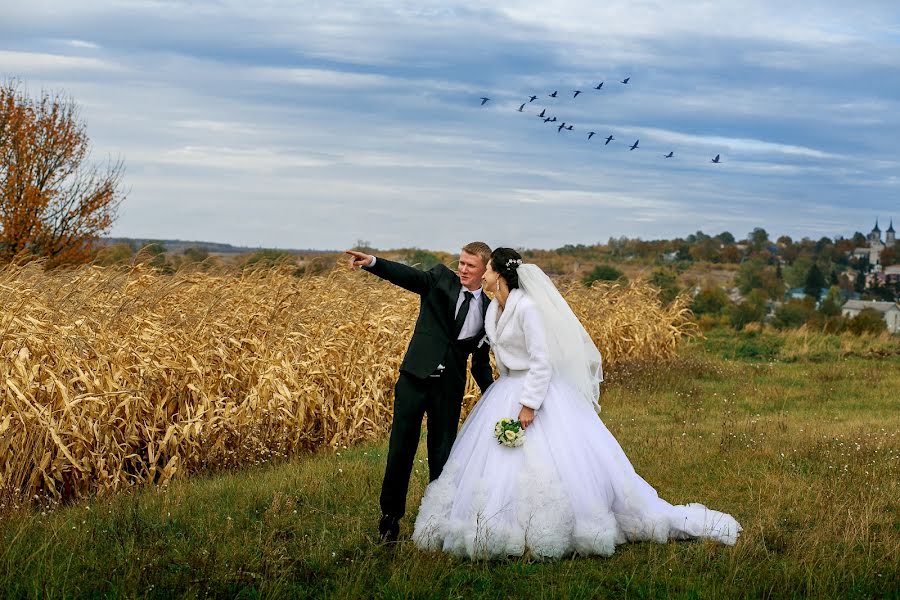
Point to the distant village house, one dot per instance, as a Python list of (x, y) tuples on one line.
[(890, 310)]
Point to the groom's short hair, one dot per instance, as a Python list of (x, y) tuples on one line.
[(479, 249)]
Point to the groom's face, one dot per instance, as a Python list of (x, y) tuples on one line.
[(471, 269)]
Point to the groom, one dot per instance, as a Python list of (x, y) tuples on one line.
[(433, 372)]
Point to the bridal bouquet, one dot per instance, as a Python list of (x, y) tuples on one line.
[(509, 433)]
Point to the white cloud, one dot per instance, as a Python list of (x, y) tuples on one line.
[(320, 77), (27, 64), (742, 145), (82, 44), (260, 160)]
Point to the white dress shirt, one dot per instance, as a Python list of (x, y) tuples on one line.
[(474, 319)]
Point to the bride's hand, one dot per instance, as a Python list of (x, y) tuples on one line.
[(526, 416)]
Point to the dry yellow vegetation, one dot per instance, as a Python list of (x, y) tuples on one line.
[(115, 377)]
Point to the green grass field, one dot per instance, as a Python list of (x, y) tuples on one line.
[(802, 448)]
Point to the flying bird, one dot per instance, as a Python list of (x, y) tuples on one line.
[(634, 145), (549, 120), (625, 81), (532, 98), (561, 127), (553, 95), (569, 128), (542, 115), (609, 139), (591, 134), (521, 108), (599, 85), (576, 93), (484, 100), (669, 155), (716, 159)]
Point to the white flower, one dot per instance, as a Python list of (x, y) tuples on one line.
[(509, 433)]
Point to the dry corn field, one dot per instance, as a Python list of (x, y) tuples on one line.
[(115, 378)]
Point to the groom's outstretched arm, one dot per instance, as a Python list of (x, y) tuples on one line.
[(409, 278), (481, 367)]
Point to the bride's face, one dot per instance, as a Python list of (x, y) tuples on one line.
[(489, 281)]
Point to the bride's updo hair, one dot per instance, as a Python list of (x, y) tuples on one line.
[(505, 261)]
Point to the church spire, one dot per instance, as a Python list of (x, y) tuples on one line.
[(876, 226), (891, 228)]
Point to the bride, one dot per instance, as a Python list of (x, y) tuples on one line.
[(570, 487)]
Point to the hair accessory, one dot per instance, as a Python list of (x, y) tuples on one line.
[(513, 261)]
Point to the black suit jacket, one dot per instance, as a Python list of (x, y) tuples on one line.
[(433, 341)]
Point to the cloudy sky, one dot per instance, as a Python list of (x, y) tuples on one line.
[(313, 124)]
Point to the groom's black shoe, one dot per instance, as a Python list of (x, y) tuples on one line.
[(389, 529)]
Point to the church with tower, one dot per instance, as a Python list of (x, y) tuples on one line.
[(876, 246)]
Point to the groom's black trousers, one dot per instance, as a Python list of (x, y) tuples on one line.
[(441, 399)]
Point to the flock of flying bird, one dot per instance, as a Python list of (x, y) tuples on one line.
[(570, 127)]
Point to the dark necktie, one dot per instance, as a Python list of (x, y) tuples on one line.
[(461, 314)]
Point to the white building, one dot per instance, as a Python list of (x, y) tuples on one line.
[(876, 246), (891, 273), (890, 310)]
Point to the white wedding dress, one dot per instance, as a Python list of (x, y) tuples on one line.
[(569, 488)]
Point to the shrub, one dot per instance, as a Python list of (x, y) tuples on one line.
[(758, 346), (752, 309), (710, 301), (269, 258), (792, 314), (604, 273), (868, 320), (665, 280)]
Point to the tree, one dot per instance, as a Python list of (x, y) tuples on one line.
[(758, 238), (755, 274), (52, 204), (422, 259), (795, 274), (726, 238), (823, 244), (814, 282), (859, 286), (831, 304), (705, 248), (749, 275), (730, 254), (364, 246)]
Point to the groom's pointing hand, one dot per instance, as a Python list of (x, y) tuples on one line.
[(359, 259)]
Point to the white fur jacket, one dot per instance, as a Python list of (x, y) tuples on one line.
[(519, 344)]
